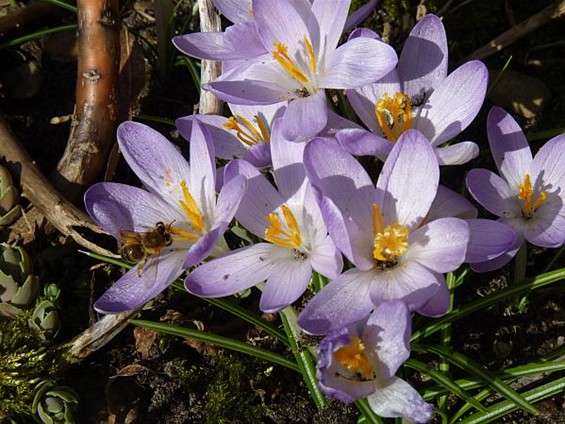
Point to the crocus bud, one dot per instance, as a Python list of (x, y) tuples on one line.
[(54, 404), (18, 285), (10, 210)]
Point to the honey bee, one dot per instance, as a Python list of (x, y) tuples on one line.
[(138, 247)]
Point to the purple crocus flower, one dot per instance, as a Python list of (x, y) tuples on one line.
[(290, 222), (360, 361), (419, 94), (528, 194), (302, 61), (245, 134), (171, 225), (379, 230)]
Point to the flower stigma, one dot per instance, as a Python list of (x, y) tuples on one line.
[(394, 115), (276, 234), (354, 359), (248, 133), (389, 242), (293, 67), (526, 193)]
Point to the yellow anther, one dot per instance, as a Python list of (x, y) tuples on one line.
[(191, 208), (276, 234), (354, 358), (394, 115), (246, 132), (180, 234), (389, 242), (289, 65), (526, 193), (311, 55)]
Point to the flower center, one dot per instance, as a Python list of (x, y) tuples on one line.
[(193, 213), (302, 68), (248, 133), (526, 194), (394, 115), (280, 236), (389, 242), (354, 359)]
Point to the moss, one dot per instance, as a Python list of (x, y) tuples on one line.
[(229, 397)]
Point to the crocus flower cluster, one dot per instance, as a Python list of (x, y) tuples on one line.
[(292, 180)]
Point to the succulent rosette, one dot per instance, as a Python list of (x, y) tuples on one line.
[(418, 94), (288, 219), (172, 224), (361, 360), (379, 229), (18, 284), (10, 210), (302, 61), (528, 193)]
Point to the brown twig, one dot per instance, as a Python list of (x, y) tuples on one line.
[(35, 187), (209, 21), (96, 110), (552, 12)]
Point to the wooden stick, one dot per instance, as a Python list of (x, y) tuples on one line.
[(96, 111), (554, 11), (209, 21), (35, 187)]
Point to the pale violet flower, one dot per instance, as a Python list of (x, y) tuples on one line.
[(361, 361), (172, 224), (529, 193), (302, 61), (290, 222), (379, 230), (419, 94)]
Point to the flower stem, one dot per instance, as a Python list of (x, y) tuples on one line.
[(520, 262)]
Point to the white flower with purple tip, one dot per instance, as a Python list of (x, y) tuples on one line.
[(302, 61), (361, 361), (290, 222), (379, 230), (529, 193), (172, 224), (419, 94)]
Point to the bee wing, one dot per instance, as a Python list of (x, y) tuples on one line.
[(148, 269)]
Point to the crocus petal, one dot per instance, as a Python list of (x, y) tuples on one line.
[(203, 169), (244, 39), (439, 245), (439, 303), (454, 104), (288, 281), (360, 142), (393, 338), (488, 240), (259, 155), (326, 259), (548, 163), (260, 199), (330, 21), (547, 228), (342, 302), (229, 199), (232, 273), (206, 45), (281, 22), (359, 15), (234, 10), (509, 146), (493, 193), (305, 117), (156, 161), (449, 203), (409, 281), (405, 192), (457, 154), (226, 144), (136, 288), (399, 399), (358, 62), (501, 260), (118, 207), (423, 62), (287, 158)]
